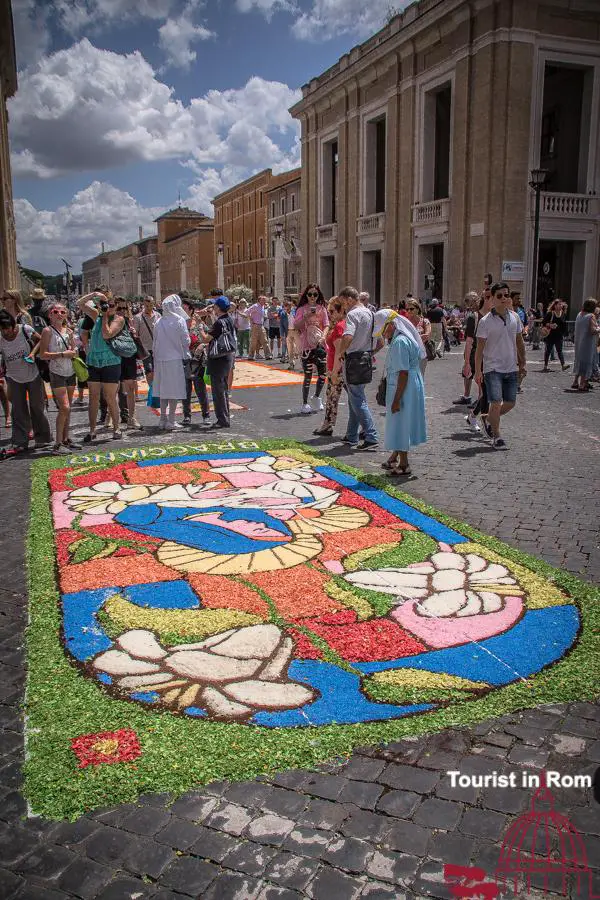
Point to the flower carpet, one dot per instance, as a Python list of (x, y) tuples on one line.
[(215, 611)]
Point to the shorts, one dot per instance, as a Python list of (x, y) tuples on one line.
[(104, 374), (62, 381), (128, 368), (148, 364), (274, 333), (501, 386)]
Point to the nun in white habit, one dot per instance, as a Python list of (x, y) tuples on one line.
[(170, 348)]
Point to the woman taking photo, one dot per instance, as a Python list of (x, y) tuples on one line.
[(405, 425), (310, 323), (555, 328), (222, 347), (336, 311), (104, 365), (128, 363), (57, 345)]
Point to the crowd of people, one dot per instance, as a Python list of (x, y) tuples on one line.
[(106, 344)]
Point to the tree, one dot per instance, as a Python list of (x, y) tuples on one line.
[(33, 275), (238, 292)]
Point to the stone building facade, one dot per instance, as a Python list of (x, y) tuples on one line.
[(241, 227), (9, 271), (129, 270), (186, 252), (283, 213), (417, 148)]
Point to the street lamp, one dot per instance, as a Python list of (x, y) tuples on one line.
[(538, 180), (68, 268)]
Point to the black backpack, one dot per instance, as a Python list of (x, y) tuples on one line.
[(42, 364)]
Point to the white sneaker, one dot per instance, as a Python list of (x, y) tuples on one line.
[(175, 426), (319, 403), (206, 420), (163, 424), (472, 422), (305, 408)]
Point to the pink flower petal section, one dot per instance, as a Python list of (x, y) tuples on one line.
[(90, 521), (251, 479), (447, 632), (333, 565), (218, 463), (63, 517)]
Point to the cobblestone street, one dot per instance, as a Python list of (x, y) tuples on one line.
[(385, 821)]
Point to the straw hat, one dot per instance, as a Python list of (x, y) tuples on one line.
[(38, 294)]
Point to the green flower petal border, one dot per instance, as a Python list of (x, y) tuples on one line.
[(178, 755)]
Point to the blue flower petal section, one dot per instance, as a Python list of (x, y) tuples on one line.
[(341, 700), (541, 637), (163, 595)]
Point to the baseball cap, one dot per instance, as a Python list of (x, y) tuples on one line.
[(222, 302)]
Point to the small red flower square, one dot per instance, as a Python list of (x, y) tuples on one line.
[(106, 747)]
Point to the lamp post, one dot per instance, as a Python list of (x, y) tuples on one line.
[(279, 273), (182, 273), (157, 292), (220, 267), (124, 275), (538, 180), (139, 281), (68, 268)]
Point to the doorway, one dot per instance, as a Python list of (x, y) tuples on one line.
[(371, 275)]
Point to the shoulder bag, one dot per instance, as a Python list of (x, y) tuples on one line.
[(225, 343), (123, 343), (359, 365), (42, 364)]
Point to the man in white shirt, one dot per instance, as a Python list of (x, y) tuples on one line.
[(144, 324), (357, 338), (500, 357)]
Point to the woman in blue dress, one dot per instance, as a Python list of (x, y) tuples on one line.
[(405, 425)]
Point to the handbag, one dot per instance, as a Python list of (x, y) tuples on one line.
[(80, 368), (152, 401), (359, 365), (42, 364), (224, 344), (123, 343), (381, 392), (430, 349)]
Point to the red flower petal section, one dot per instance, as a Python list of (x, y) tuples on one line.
[(106, 747)]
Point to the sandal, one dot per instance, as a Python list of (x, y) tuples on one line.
[(89, 438), (388, 465), (117, 435), (401, 473)]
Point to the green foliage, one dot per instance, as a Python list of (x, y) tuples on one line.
[(240, 292)]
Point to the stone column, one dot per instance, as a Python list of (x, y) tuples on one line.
[(182, 274), (157, 294), (279, 279), (139, 281), (220, 268)]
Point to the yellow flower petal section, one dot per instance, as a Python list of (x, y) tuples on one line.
[(419, 678), (338, 518), (198, 623), (540, 592), (187, 559), (350, 600)]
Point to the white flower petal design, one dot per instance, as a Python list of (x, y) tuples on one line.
[(448, 585)]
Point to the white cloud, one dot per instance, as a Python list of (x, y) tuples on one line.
[(177, 35), (99, 213), (84, 109), (32, 34), (330, 18), (266, 7)]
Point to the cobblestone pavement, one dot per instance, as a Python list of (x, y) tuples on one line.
[(383, 823)]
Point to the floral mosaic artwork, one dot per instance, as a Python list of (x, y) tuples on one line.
[(219, 610)]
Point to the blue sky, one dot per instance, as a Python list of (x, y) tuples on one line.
[(124, 104)]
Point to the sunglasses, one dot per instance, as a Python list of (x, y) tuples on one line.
[(58, 312), (312, 294)]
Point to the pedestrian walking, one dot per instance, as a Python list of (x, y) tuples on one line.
[(273, 319), (587, 330), (435, 314), (170, 348), (284, 328), (221, 357), (405, 425), (57, 346), (500, 358), (311, 324), (195, 367), (356, 349), (258, 338), (554, 331), (128, 363), (333, 339), (471, 320), (25, 386)]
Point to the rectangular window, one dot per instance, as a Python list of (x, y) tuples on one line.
[(249, 249), (283, 206), (228, 280), (273, 209), (293, 202), (436, 125), (249, 281), (228, 254), (261, 245), (293, 279), (375, 165), (237, 252), (272, 248), (260, 199), (330, 181), (261, 280)]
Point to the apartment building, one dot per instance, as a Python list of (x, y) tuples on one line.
[(283, 222), (186, 251), (9, 271), (128, 270), (418, 147), (241, 231)]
